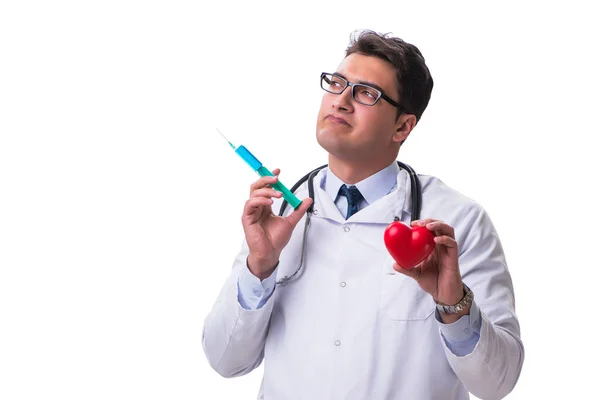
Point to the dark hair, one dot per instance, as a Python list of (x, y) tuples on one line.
[(412, 75)]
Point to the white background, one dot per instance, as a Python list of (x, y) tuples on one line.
[(120, 203)]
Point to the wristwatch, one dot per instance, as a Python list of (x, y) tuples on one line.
[(458, 307)]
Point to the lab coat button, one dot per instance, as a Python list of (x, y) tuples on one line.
[(337, 343), (346, 229), (343, 284), (314, 212)]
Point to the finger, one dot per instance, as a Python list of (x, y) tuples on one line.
[(255, 203), (264, 181), (440, 228), (266, 192), (275, 172), (297, 214), (421, 222), (414, 273), (445, 241)]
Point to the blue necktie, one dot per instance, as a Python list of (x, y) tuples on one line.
[(352, 194)]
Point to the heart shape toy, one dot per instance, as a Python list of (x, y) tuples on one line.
[(408, 246)]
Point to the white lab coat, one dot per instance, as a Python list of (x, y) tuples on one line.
[(350, 327)]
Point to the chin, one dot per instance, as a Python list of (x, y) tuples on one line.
[(332, 130), (332, 146), (321, 139), (325, 139)]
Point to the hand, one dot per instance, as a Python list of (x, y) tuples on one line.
[(439, 274), (266, 233)]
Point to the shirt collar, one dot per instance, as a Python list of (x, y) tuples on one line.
[(372, 188)]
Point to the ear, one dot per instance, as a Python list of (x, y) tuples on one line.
[(404, 126)]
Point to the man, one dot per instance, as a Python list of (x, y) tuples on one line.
[(352, 324)]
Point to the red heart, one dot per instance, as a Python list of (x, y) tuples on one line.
[(408, 246)]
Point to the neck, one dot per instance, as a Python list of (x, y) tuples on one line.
[(352, 172)]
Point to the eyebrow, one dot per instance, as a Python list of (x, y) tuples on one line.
[(373, 85)]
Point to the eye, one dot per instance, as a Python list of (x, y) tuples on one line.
[(337, 81), (368, 93)]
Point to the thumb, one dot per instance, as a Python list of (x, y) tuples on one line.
[(297, 214)]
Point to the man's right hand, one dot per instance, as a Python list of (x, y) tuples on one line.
[(266, 233)]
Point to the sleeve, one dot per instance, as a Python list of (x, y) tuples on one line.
[(492, 368), (252, 292), (233, 338), (462, 336)]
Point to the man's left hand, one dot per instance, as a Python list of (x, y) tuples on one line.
[(439, 274)]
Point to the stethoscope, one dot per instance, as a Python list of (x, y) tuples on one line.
[(416, 199)]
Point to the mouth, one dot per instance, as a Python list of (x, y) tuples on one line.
[(337, 120)]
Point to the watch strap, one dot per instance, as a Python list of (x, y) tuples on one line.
[(460, 306)]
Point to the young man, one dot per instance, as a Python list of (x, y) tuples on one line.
[(352, 324)]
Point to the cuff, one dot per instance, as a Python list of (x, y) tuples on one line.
[(464, 328), (252, 292)]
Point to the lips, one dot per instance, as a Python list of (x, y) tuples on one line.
[(337, 120)]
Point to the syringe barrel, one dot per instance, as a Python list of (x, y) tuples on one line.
[(287, 194), (262, 171), (248, 157)]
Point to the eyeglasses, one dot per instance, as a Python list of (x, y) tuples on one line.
[(363, 94)]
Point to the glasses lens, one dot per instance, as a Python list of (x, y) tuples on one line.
[(365, 94), (333, 83)]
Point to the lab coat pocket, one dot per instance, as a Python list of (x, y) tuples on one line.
[(401, 297)]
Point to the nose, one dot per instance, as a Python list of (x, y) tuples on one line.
[(343, 101)]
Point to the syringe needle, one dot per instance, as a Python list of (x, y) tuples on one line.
[(232, 146)]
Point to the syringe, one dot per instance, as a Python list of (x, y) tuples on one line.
[(262, 171)]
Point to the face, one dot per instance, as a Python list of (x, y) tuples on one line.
[(357, 133)]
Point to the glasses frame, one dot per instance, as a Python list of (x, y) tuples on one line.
[(381, 95)]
